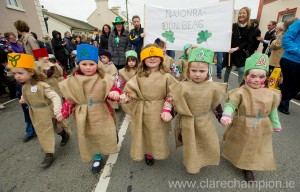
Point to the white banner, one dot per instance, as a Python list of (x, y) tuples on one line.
[(206, 26)]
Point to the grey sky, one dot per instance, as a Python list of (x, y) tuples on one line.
[(82, 9)]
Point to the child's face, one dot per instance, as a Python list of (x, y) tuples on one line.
[(152, 62), (21, 75), (104, 59), (131, 63), (88, 67), (256, 78), (198, 71)]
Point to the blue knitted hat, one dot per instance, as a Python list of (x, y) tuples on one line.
[(87, 52)]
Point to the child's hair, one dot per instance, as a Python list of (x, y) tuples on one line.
[(36, 77), (160, 43), (247, 73), (95, 43), (131, 58), (143, 70), (187, 72), (77, 71)]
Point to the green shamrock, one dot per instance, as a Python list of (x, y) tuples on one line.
[(169, 36), (203, 36)]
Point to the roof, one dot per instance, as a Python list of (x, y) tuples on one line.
[(73, 23)]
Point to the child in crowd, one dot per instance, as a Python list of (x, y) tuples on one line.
[(168, 61), (197, 100), (126, 73), (252, 114), (143, 99), (86, 94), (182, 63), (53, 74), (39, 96)]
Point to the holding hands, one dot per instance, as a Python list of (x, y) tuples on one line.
[(225, 120), (114, 95), (166, 116)]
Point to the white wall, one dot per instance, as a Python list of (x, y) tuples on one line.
[(58, 26)]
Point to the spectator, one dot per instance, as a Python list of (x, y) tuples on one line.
[(41, 44), (104, 37), (69, 47), (254, 34), (96, 35), (137, 35), (28, 41), (290, 64), (12, 43), (46, 41), (276, 47), (59, 47), (269, 37), (118, 43), (239, 45)]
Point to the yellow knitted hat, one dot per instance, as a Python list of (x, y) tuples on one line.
[(17, 60)]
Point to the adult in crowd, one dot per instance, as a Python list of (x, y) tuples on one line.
[(276, 47), (78, 40), (95, 36), (5, 79), (59, 47), (47, 41), (136, 35), (118, 43), (239, 45), (12, 43), (254, 34), (269, 37), (28, 41), (69, 47), (84, 39), (41, 44), (219, 64), (290, 64), (104, 37)]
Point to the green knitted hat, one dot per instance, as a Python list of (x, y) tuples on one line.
[(257, 61), (131, 53), (201, 54)]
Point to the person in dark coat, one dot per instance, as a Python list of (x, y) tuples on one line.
[(254, 34), (269, 37), (239, 45), (104, 37), (136, 36), (59, 47), (118, 43)]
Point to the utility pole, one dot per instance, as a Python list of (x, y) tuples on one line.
[(127, 14)]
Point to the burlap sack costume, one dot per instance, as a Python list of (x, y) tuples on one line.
[(168, 61), (111, 70), (41, 114), (248, 141), (149, 133), (195, 103), (126, 75), (42, 66), (95, 124), (183, 64)]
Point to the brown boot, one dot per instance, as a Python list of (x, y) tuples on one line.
[(249, 177), (65, 137), (48, 160)]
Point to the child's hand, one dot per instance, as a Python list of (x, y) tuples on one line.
[(166, 116), (114, 95), (225, 120), (59, 117), (21, 101)]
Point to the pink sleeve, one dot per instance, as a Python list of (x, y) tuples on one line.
[(67, 108), (168, 104)]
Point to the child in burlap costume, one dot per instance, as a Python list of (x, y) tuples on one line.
[(86, 94), (197, 100), (144, 97), (126, 73), (54, 74), (183, 62), (40, 98), (252, 114)]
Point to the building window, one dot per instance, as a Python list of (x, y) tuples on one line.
[(14, 4), (285, 15)]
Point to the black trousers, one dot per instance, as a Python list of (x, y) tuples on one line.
[(291, 82)]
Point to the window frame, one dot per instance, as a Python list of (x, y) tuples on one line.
[(19, 6), (287, 11)]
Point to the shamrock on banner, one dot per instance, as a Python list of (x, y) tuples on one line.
[(169, 36), (203, 36)]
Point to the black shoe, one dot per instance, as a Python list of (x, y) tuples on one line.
[(149, 161), (26, 139), (283, 111), (219, 76), (96, 167), (65, 138), (249, 177), (48, 160)]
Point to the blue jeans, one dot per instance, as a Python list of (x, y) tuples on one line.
[(219, 62), (228, 71), (29, 127), (30, 130)]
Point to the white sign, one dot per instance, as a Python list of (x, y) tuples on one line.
[(206, 26)]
